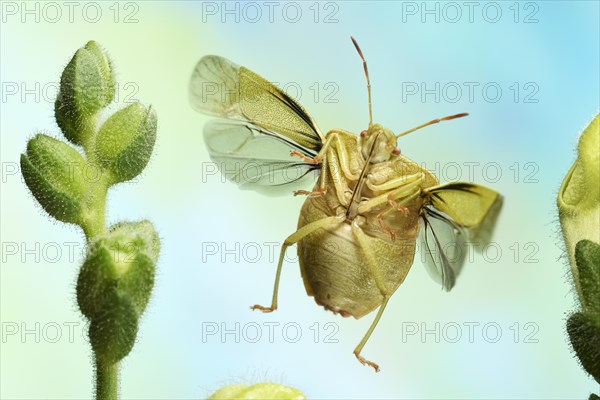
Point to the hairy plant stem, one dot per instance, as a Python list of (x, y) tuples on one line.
[(107, 379)]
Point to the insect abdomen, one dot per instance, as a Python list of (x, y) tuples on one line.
[(335, 267)]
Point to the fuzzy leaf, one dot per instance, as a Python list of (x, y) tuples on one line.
[(584, 332), (54, 173), (123, 260), (587, 256), (86, 86), (125, 141)]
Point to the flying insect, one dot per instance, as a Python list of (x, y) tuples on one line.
[(358, 228)]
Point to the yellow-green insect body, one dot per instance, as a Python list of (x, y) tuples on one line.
[(350, 266), (358, 227)]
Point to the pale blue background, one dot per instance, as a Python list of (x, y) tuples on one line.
[(559, 53)]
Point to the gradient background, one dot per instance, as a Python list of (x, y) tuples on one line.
[(192, 209)]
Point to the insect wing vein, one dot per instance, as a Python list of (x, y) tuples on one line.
[(257, 159), (444, 247)]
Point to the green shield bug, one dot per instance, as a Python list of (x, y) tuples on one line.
[(358, 227)]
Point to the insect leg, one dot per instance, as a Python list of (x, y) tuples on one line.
[(294, 238), (336, 168), (407, 191), (393, 183), (313, 193), (364, 246), (395, 205), (343, 153), (364, 340), (332, 141), (316, 159), (337, 176)]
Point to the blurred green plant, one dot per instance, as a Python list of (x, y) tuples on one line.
[(579, 213), (117, 276), (272, 391)]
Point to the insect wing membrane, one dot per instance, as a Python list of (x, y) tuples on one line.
[(443, 247), (257, 159), (471, 206), (214, 87), (222, 88)]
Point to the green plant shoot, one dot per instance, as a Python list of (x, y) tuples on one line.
[(117, 275), (579, 212)]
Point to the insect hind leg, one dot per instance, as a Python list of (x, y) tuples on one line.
[(294, 238), (381, 285), (365, 338)]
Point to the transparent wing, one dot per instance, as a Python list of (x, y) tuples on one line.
[(222, 88), (258, 159), (443, 247)]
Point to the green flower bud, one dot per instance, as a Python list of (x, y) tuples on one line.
[(579, 196), (123, 260), (125, 141), (86, 86), (259, 391), (53, 171), (114, 286)]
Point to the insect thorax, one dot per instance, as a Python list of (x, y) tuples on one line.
[(348, 176), (378, 144)]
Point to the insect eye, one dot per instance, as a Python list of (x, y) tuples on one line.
[(396, 151), (363, 134)]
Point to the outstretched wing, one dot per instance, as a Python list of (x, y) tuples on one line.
[(456, 211), (222, 88), (257, 159), (469, 205), (443, 247), (262, 125)]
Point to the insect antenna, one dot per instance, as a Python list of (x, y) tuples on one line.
[(433, 121), (367, 75)]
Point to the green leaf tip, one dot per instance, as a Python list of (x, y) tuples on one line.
[(584, 333), (54, 173), (587, 257), (113, 331), (86, 86), (125, 141), (272, 391)]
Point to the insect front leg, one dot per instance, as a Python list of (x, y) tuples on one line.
[(322, 184), (313, 193), (333, 141), (294, 238), (336, 169), (337, 175)]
